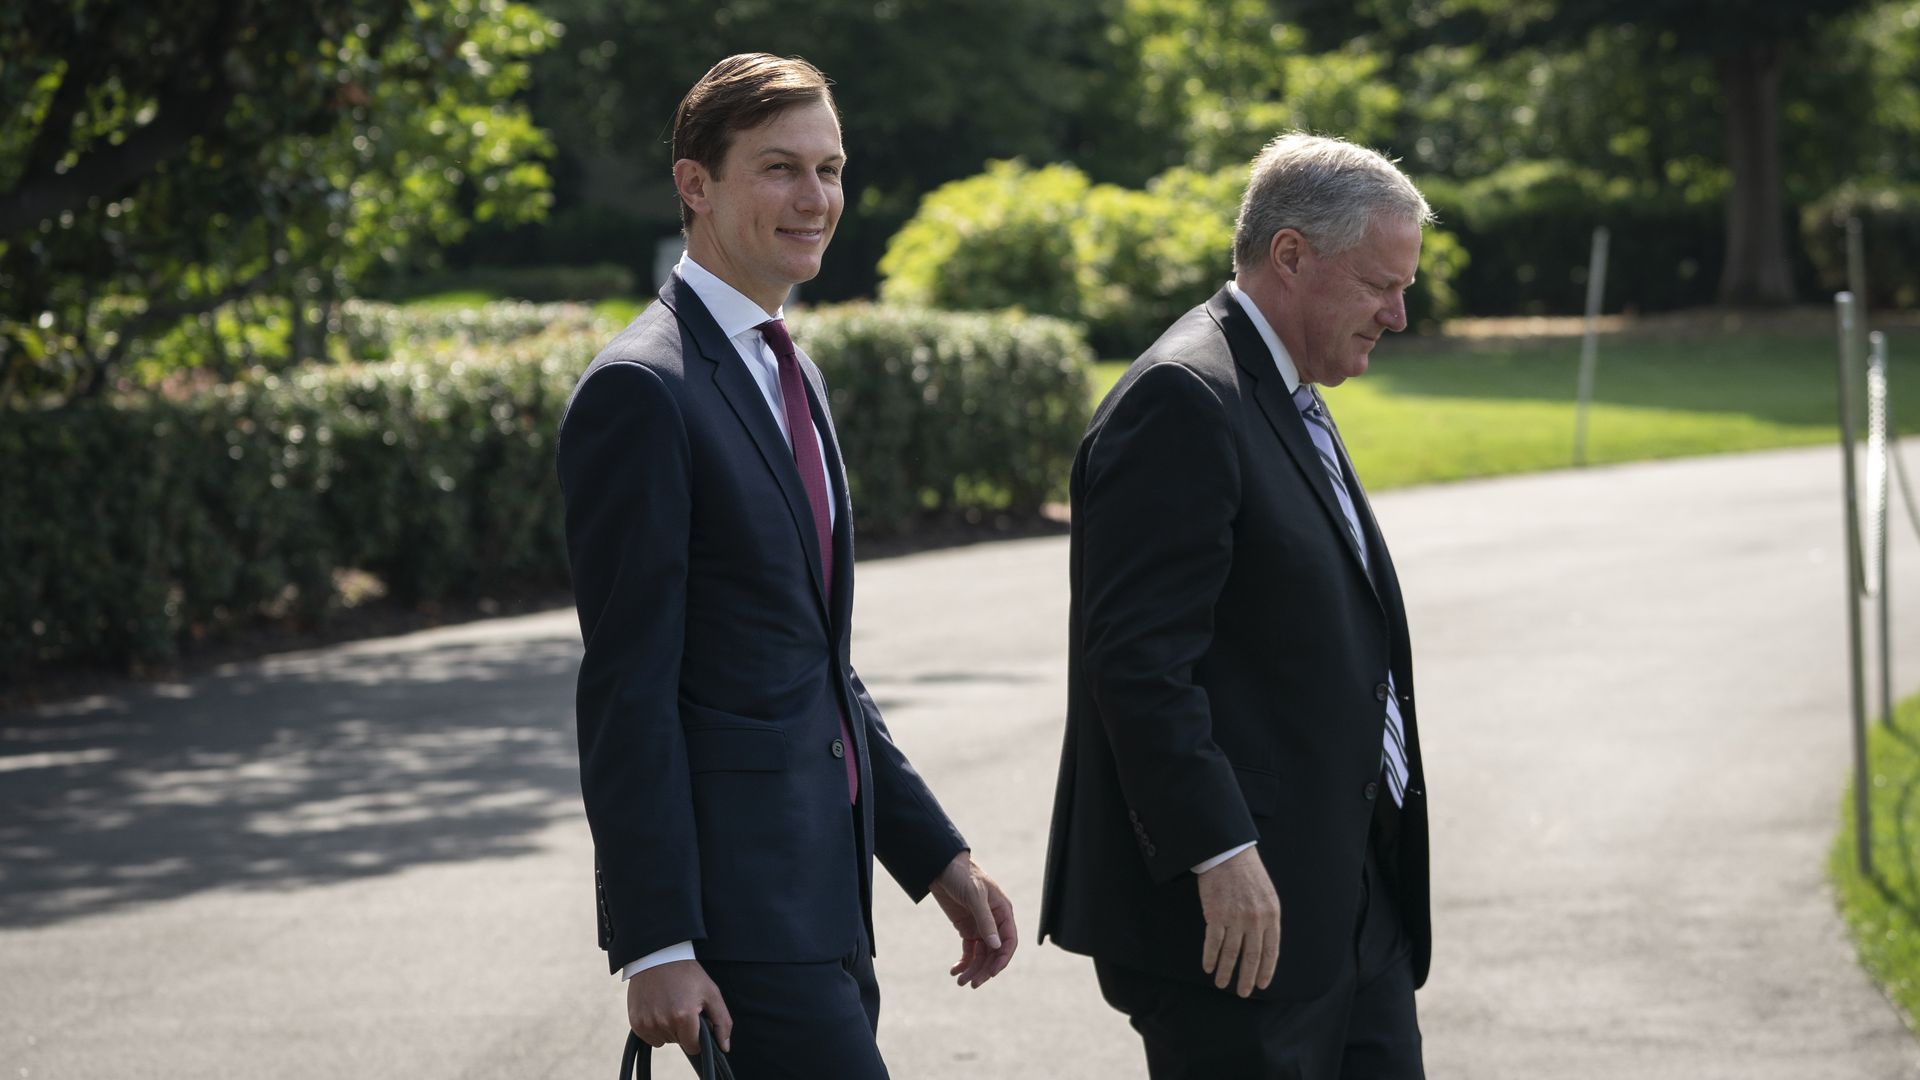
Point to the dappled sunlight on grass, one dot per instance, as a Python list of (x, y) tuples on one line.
[(1504, 407), (1883, 911)]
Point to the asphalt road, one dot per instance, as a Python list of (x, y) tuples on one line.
[(370, 861)]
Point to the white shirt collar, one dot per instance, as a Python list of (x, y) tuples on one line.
[(729, 306), (1281, 358)]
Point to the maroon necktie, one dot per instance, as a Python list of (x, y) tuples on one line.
[(813, 477)]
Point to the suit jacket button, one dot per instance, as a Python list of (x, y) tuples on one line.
[(839, 749), (1133, 816), (1152, 851), (1372, 789), (1380, 692)]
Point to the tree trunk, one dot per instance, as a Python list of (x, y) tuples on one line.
[(1756, 272)]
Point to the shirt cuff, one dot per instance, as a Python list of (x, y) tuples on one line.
[(1199, 868), (682, 951)]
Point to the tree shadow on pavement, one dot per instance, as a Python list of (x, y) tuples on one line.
[(293, 771)]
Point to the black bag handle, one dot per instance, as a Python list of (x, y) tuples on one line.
[(711, 1064)]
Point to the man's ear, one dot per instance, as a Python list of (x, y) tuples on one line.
[(690, 179), (1285, 250)]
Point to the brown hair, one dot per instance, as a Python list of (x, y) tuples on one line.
[(738, 93)]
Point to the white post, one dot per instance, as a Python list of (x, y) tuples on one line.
[(1879, 450), (1590, 345)]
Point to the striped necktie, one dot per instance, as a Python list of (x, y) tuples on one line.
[(1393, 750)]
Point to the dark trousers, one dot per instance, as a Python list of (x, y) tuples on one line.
[(803, 1021), (1364, 1028), (799, 1021)]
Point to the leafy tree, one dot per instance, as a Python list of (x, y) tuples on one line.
[(1206, 83), (1746, 44), (929, 91), (168, 159)]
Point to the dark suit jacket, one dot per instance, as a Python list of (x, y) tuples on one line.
[(716, 665), (1227, 669)]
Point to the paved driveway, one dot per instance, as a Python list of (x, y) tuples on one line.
[(369, 860)]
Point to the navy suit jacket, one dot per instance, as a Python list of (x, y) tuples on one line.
[(1227, 670), (716, 665)]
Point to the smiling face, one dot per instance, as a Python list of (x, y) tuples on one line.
[(1333, 309), (762, 220)]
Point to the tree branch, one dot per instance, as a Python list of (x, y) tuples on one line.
[(84, 61), (109, 171), (194, 101), (159, 314)]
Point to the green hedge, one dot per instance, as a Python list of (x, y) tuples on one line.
[(134, 526), (378, 331), (540, 284), (1889, 216), (943, 412), (1529, 229), (1126, 263)]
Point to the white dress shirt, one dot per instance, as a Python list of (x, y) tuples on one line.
[(739, 320)]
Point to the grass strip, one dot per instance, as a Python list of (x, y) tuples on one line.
[(1420, 415), (1882, 912)]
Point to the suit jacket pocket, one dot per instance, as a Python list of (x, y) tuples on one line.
[(1260, 788), (724, 742), (736, 749)]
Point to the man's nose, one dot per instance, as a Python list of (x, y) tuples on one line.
[(1394, 315), (811, 197)]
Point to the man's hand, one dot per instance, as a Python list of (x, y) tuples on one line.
[(664, 1005), (1243, 922), (983, 915)]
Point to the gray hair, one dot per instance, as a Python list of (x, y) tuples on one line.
[(1327, 188)]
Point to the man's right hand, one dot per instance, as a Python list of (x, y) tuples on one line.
[(1243, 922), (664, 1005)]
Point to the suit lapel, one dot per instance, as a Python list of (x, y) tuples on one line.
[(1270, 393), (749, 405), (841, 606)]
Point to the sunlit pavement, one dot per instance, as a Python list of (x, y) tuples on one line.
[(370, 861)]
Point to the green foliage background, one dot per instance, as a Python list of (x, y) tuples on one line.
[(134, 526), (1124, 262), (170, 161)]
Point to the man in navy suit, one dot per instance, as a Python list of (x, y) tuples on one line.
[(1240, 829), (738, 778)]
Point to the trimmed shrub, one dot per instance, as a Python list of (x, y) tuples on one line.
[(1126, 263), (1889, 216), (133, 526), (1002, 239), (1529, 230), (943, 413), (374, 331), (1148, 256)]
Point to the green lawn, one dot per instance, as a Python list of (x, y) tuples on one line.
[(1883, 912), (1423, 414), (453, 298)]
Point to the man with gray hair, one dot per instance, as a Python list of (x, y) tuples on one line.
[(1240, 831)]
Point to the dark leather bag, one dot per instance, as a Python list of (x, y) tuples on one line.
[(710, 1065)]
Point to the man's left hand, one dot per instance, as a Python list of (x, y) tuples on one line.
[(983, 915)]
